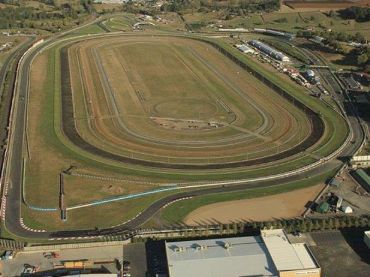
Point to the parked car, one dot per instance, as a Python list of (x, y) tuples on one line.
[(8, 255)]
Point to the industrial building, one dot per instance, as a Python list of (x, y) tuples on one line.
[(274, 32), (362, 178), (360, 161), (270, 254), (245, 49), (273, 53)]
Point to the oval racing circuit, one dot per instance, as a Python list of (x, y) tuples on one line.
[(12, 179)]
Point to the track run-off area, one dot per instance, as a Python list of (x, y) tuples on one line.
[(131, 122)]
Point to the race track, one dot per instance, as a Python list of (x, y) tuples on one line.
[(15, 161)]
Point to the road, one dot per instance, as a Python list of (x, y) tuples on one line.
[(6, 96), (14, 169)]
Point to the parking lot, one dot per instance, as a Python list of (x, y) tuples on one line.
[(156, 258), (103, 260), (135, 254), (341, 253)]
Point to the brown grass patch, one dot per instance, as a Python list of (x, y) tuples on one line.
[(285, 205)]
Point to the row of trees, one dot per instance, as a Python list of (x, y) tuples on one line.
[(31, 17), (333, 36), (360, 14), (301, 225), (235, 6), (26, 17), (363, 59)]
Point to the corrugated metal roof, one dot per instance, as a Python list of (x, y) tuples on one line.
[(323, 207), (363, 175), (246, 256), (287, 256), (268, 50), (335, 182)]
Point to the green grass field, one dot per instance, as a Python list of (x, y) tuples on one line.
[(291, 21), (90, 29)]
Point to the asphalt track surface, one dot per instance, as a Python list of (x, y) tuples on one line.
[(14, 198), (7, 95)]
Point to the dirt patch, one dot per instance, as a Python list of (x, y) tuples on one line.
[(185, 124), (112, 189), (285, 205)]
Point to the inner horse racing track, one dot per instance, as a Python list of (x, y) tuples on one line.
[(178, 103)]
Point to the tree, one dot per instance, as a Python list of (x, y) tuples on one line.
[(323, 224), (336, 223), (367, 68), (310, 226), (206, 232), (235, 228), (303, 226), (330, 224), (362, 59), (361, 14), (359, 37), (357, 222)]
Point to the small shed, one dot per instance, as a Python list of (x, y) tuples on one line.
[(339, 202), (367, 238), (323, 207), (347, 209), (335, 182)]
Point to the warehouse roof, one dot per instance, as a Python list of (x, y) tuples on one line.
[(287, 256), (93, 275), (243, 256), (364, 178)]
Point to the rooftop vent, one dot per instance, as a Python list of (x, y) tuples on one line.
[(227, 245), (201, 247), (179, 249)]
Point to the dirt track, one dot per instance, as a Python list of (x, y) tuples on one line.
[(285, 205), (71, 132), (136, 123)]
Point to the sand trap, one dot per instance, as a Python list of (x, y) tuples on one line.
[(285, 205)]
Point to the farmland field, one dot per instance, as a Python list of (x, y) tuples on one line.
[(324, 4), (147, 111)]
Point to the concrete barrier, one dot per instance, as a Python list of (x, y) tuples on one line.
[(56, 247)]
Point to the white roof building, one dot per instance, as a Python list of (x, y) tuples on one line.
[(268, 50), (287, 256), (367, 238), (244, 48), (270, 254), (232, 257), (347, 209)]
